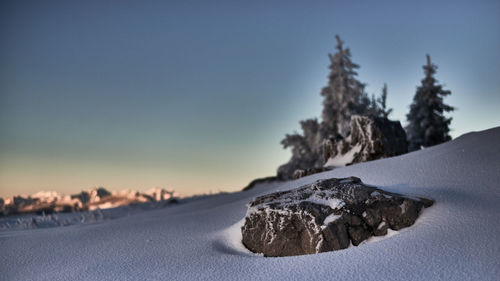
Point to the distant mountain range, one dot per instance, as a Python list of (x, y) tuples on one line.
[(97, 198)]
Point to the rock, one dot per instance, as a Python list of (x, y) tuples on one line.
[(287, 170), (325, 216), (255, 182), (99, 193), (307, 172), (371, 138), (83, 197)]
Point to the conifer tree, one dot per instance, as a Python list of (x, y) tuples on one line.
[(427, 125), (306, 149), (344, 95), (382, 103)]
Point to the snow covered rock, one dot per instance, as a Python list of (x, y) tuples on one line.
[(326, 215), (371, 138)]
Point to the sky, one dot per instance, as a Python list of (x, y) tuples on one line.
[(196, 96)]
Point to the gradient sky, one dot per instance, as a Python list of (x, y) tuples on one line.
[(196, 95)]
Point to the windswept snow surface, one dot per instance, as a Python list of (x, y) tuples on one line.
[(455, 239)]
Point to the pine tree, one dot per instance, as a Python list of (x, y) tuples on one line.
[(374, 110), (382, 103), (305, 146), (427, 124), (344, 95), (306, 149)]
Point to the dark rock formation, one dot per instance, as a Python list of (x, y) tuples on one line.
[(255, 182), (325, 216), (83, 197), (307, 172), (371, 138), (102, 192)]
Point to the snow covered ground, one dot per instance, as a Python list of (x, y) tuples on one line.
[(455, 239)]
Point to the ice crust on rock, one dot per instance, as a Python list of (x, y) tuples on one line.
[(324, 216)]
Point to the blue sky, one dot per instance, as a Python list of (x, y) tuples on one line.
[(196, 95)]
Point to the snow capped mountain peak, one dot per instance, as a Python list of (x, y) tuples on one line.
[(46, 194), (160, 194), (94, 198), (97, 193)]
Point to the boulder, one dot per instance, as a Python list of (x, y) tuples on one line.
[(326, 215), (300, 173), (258, 181), (371, 138), (287, 170)]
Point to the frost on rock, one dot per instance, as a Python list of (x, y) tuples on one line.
[(371, 138), (325, 216)]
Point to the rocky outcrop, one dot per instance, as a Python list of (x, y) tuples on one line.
[(325, 216), (258, 181), (371, 138), (287, 170), (307, 172)]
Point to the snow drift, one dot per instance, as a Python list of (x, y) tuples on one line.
[(456, 239)]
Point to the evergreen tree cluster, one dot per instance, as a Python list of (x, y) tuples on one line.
[(345, 96)]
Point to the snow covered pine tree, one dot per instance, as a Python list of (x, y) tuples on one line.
[(306, 151), (427, 125), (344, 96)]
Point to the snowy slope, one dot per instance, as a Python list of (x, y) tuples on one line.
[(456, 239)]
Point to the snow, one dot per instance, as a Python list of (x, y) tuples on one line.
[(374, 239), (333, 203), (331, 218), (231, 238), (455, 239), (99, 198), (343, 159), (47, 194)]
